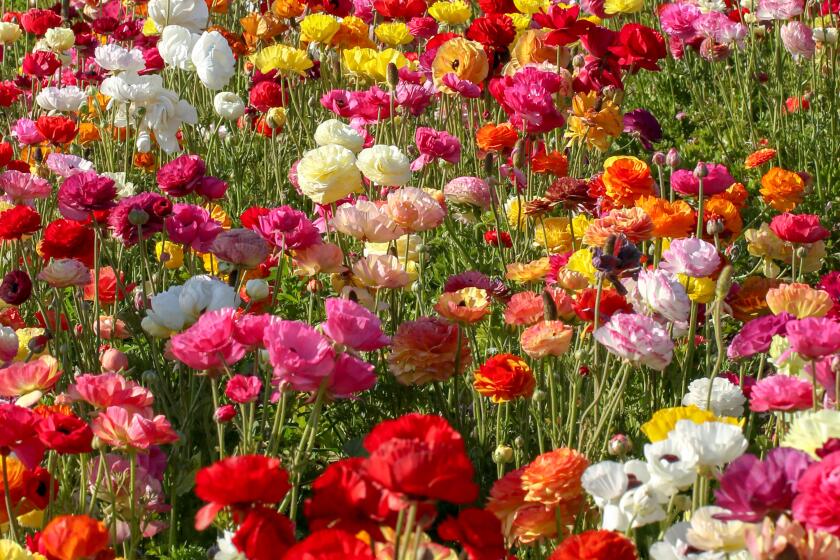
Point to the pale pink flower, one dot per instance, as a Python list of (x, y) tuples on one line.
[(638, 339), (471, 191), (65, 165), (64, 273), (23, 188), (546, 338), (243, 388), (660, 292), (124, 429), (779, 9), (209, 344), (300, 355), (29, 380), (380, 271), (414, 209), (781, 393), (242, 247), (366, 221), (435, 144), (690, 256), (324, 258), (798, 39), (352, 325), (111, 389), (524, 308)]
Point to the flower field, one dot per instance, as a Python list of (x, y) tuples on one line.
[(419, 280)]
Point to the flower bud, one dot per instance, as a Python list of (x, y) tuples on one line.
[(392, 74), (659, 159), (149, 376), (519, 442), (502, 455), (539, 396), (257, 289), (138, 217), (620, 445), (579, 61), (724, 283), (801, 252), (275, 117), (224, 413), (38, 344), (672, 158), (314, 286), (701, 171), (714, 227)]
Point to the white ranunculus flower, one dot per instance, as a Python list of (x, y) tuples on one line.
[(606, 482), (213, 60), (673, 465), (9, 32), (67, 99), (129, 87), (180, 306), (165, 116), (674, 544), (227, 550), (641, 506), (715, 443), (328, 173), (708, 533), (143, 142), (175, 46), (164, 316), (726, 398), (115, 58), (124, 188), (192, 14), (385, 165), (59, 39), (228, 105), (333, 131), (826, 35)]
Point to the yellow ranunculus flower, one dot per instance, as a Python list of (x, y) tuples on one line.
[(450, 13), (282, 58), (521, 22), (594, 121), (318, 28), (25, 335), (412, 241), (701, 290), (613, 7), (394, 33), (553, 234), (515, 212), (218, 213), (581, 262), (531, 7), (10, 550), (810, 430), (174, 254), (149, 28), (664, 420), (276, 117), (372, 64)]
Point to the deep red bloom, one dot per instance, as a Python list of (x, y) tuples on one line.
[(494, 31), (40, 64), (421, 456), (65, 433), (639, 47), (18, 435), (68, 239), (597, 40), (493, 237), (36, 487), (50, 323), (330, 544), (266, 95), (16, 287), (400, 9), (37, 21), (7, 153), (9, 94), (240, 482), (497, 6), (611, 302), (596, 545), (798, 228), (181, 176), (264, 534), (478, 531), (19, 221), (110, 290), (564, 24), (57, 130)]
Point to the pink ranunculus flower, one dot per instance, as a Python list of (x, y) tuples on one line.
[(817, 503), (23, 188), (798, 39), (660, 292), (240, 246), (181, 176), (414, 209), (435, 144), (781, 393), (29, 380), (524, 309), (250, 329), (718, 180), (19, 435), (814, 337), (423, 27), (639, 339), (529, 100), (352, 325), (779, 9), (350, 376), (9, 344), (414, 98), (287, 228), (690, 256), (84, 193), (209, 344), (366, 221), (63, 273), (111, 389), (471, 191), (300, 355), (465, 87), (65, 165), (26, 132), (192, 226), (126, 429), (243, 388), (678, 20)]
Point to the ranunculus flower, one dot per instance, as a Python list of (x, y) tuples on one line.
[(692, 257), (28, 381), (82, 194), (756, 336), (333, 131), (384, 165), (781, 393), (192, 14), (814, 337), (192, 225), (125, 429), (242, 247), (798, 228), (72, 537), (176, 45), (115, 58), (351, 324), (209, 343), (228, 105), (504, 378), (638, 339), (328, 174), (213, 60), (180, 176), (243, 388), (718, 180), (817, 503), (434, 144), (300, 355)]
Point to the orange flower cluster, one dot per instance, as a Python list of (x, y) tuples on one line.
[(496, 137), (782, 189), (626, 179), (670, 219), (504, 378)]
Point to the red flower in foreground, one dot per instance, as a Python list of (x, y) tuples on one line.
[(596, 545), (18, 221), (798, 228), (57, 130), (639, 47), (264, 534), (478, 531), (40, 64), (68, 239), (72, 537), (65, 433), (330, 544), (611, 302), (421, 456), (239, 482)]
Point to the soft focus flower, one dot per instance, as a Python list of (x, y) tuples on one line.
[(815, 504), (462, 57), (213, 60), (798, 228), (814, 337), (503, 378), (715, 182), (29, 380), (283, 58), (318, 28), (73, 537), (414, 209), (554, 477), (366, 221), (800, 300), (596, 544), (633, 223), (467, 305), (428, 349), (809, 431), (192, 14), (707, 532), (637, 339), (724, 399), (380, 271), (124, 429), (351, 324), (228, 105), (659, 292), (299, 354), (781, 393), (665, 419), (670, 219), (798, 39)]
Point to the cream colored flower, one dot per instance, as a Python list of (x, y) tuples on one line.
[(380, 271), (9, 32), (213, 60), (714, 535), (385, 165), (59, 39), (328, 173), (810, 430), (333, 131)]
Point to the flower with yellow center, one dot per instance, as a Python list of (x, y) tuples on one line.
[(515, 212), (318, 28), (284, 59), (450, 13), (405, 247), (613, 7), (467, 305), (462, 57), (581, 263), (593, 121), (665, 419), (533, 271), (393, 33), (700, 290), (531, 7), (25, 336), (170, 254), (800, 300)]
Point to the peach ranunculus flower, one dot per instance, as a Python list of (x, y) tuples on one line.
[(324, 257), (29, 380), (71, 537), (670, 219), (594, 121), (634, 223), (769, 540), (380, 271), (366, 221), (524, 309), (625, 179), (414, 209), (800, 300), (63, 273), (531, 48), (554, 477), (467, 305), (426, 350), (533, 271), (462, 57), (764, 243), (782, 189), (546, 338), (759, 157), (127, 429)]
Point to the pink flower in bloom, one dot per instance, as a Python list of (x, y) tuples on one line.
[(84, 193), (243, 388), (65, 165), (300, 355), (156, 207), (26, 132), (28, 380), (240, 246), (718, 180), (19, 435), (524, 309), (423, 27), (817, 503), (414, 209), (192, 226), (111, 389), (368, 106), (798, 228), (350, 376), (798, 39), (781, 393), (678, 19), (250, 329), (471, 191), (287, 228), (529, 100), (180, 176), (23, 188), (779, 9), (638, 339), (209, 343), (352, 325), (690, 256), (413, 97), (465, 87), (814, 337), (122, 428), (434, 144)]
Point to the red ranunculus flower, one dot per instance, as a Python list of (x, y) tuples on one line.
[(400, 9), (596, 545), (495, 31), (18, 221), (798, 228), (18, 435), (264, 534), (110, 290), (493, 237), (36, 487), (37, 21), (611, 302), (9, 94), (65, 434), (239, 482), (421, 456), (57, 130), (40, 64), (478, 531), (330, 544), (251, 216), (180, 176), (639, 47), (564, 24), (7, 153), (504, 378), (497, 6), (266, 95), (68, 239)]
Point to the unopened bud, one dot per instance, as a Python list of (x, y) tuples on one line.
[(519, 442), (392, 74), (714, 227), (275, 117), (38, 344), (620, 445), (549, 307), (701, 171), (138, 217), (724, 283), (224, 413), (519, 154), (257, 289), (672, 158), (149, 377), (801, 252), (578, 61), (539, 396), (314, 286), (503, 454), (489, 168), (659, 159)]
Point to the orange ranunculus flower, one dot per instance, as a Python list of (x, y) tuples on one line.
[(428, 350), (72, 537), (759, 157), (462, 57), (146, 162), (287, 9), (670, 219), (88, 133), (626, 179), (504, 378), (528, 272), (554, 162), (720, 208), (750, 301), (554, 477), (352, 33), (256, 27), (218, 6), (531, 48), (736, 194), (782, 189), (97, 104), (546, 338), (496, 137), (467, 305), (634, 223), (536, 522), (234, 41), (800, 300), (119, 133)]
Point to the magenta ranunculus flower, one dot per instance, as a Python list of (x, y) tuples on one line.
[(817, 503), (352, 325), (300, 355), (287, 228), (814, 337), (678, 19), (192, 226), (155, 207), (529, 100), (718, 180), (435, 144), (413, 97), (84, 193), (639, 339), (781, 393), (250, 328), (180, 176), (26, 132), (751, 488), (243, 388), (690, 256), (211, 188), (350, 376), (798, 228), (465, 87), (209, 344), (756, 335)]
